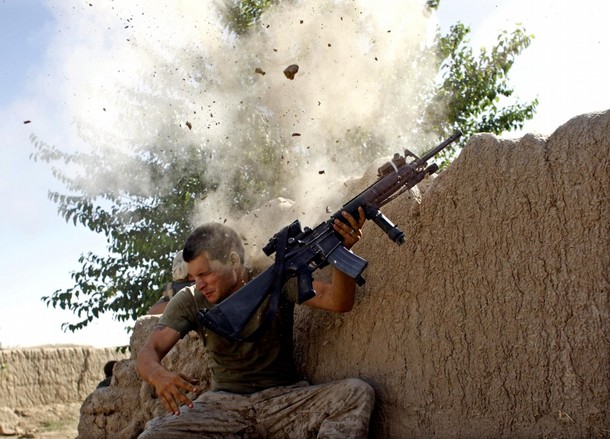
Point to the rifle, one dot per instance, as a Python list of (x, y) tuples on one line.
[(299, 252)]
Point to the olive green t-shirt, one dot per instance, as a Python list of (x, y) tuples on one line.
[(241, 367)]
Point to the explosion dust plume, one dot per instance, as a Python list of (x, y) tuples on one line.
[(170, 75)]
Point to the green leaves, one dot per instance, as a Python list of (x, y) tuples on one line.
[(240, 15), (472, 90), (144, 227)]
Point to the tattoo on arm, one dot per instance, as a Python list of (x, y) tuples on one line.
[(159, 327)]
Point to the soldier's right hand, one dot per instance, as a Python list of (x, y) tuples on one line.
[(172, 388)]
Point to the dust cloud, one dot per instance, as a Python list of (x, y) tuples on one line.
[(170, 76)]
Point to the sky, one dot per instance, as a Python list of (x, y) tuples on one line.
[(566, 68)]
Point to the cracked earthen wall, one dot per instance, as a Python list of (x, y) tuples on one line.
[(51, 375), (493, 319)]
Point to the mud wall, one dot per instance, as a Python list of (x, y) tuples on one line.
[(51, 375), (492, 320)]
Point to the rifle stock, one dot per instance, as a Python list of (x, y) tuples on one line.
[(302, 251)]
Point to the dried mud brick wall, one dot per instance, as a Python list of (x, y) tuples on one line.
[(51, 375), (493, 318)]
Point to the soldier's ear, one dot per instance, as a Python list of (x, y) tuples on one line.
[(235, 260)]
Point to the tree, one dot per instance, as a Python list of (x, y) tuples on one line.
[(471, 89), (145, 215), (141, 227)]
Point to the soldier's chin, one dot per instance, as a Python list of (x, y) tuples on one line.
[(211, 297)]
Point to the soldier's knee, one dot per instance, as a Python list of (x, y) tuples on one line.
[(360, 389)]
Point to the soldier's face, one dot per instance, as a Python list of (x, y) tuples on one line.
[(214, 279)]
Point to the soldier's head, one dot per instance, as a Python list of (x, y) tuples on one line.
[(215, 239), (215, 256)]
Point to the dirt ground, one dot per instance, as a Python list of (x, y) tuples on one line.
[(58, 421)]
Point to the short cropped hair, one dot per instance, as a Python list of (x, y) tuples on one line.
[(216, 239)]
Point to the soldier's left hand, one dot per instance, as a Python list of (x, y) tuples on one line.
[(352, 230)]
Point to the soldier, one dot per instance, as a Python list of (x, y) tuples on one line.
[(256, 391)]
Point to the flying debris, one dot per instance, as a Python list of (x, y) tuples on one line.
[(259, 71), (189, 125), (290, 71)]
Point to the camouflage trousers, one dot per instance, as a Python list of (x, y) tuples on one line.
[(340, 409)]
